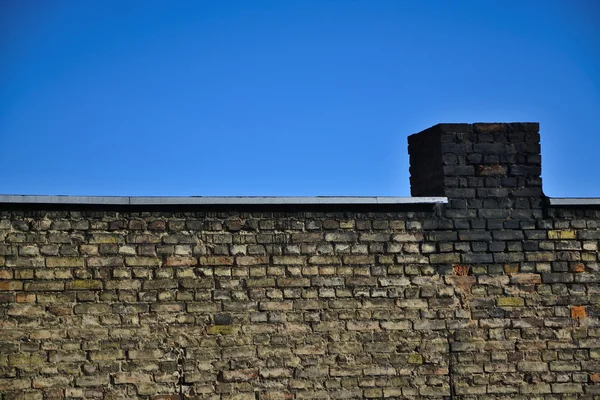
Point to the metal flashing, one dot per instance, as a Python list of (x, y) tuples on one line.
[(224, 200), (574, 201)]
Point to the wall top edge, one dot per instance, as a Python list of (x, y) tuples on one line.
[(255, 200), (574, 201), (217, 200)]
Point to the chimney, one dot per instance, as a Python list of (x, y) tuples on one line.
[(481, 165)]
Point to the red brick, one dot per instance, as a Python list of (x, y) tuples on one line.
[(578, 312)]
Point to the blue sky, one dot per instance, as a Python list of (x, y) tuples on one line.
[(303, 97)]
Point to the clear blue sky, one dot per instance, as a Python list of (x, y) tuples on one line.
[(284, 97)]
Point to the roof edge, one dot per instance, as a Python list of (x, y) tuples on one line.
[(216, 200), (574, 201)]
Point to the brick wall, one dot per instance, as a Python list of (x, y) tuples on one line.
[(492, 295)]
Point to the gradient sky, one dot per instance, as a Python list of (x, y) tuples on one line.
[(211, 98)]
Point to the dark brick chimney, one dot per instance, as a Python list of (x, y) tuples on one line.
[(496, 163)]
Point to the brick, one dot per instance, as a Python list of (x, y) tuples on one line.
[(260, 282), (111, 261), (538, 388), (24, 309), (127, 284), (490, 170), (107, 355), (557, 277), (293, 282), (14, 384), (142, 261), (180, 261), (242, 375), (25, 298), (511, 302), (562, 234), (362, 325), (532, 366), (67, 356), (567, 388), (341, 237), (443, 258), (222, 330), (186, 283), (92, 380), (275, 373), (92, 309), (578, 267), (374, 237), (216, 260), (289, 260), (51, 382), (526, 279), (434, 391), (578, 312), (157, 284), (11, 285), (358, 260), (251, 260), (61, 262), (414, 358), (425, 324), (131, 377), (275, 305), (396, 325), (324, 260), (84, 285), (412, 237), (307, 237), (540, 256)]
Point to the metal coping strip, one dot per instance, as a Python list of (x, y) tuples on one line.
[(254, 200), (574, 201), (225, 200)]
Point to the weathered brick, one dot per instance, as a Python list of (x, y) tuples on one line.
[(50, 382), (9, 384), (324, 260), (562, 234), (293, 282), (67, 356), (526, 279), (92, 380), (289, 260), (396, 325), (275, 305), (532, 366), (131, 377), (142, 261), (60, 262), (251, 260), (24, 309), (11, 285), (510, 302), (358, 260), (111, 261), (78, 284), (557, 277), (216, 260), (241, 375), (567, 388)]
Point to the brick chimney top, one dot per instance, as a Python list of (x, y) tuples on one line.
[(478, 161)]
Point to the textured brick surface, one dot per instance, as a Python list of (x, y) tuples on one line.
[(493, 295)]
